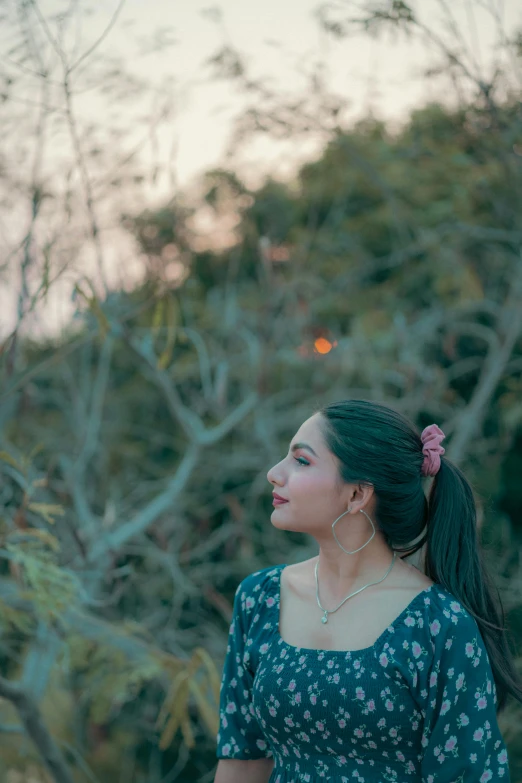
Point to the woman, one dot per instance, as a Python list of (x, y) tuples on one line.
[(354, 665)]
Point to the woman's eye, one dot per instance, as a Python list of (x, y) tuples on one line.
[(301, 461)]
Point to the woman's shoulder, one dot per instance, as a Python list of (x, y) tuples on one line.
[(455, 645), (445, 616), (435, 619), (444, 603), (434, 633), (254, 585)]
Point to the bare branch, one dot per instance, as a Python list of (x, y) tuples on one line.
[(470, 420), (95, 45), (76, 471), (189, 421), (40, 660), (75, 137), (138, 524), (33, 724)]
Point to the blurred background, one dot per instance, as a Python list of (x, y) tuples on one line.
[(213, 219)]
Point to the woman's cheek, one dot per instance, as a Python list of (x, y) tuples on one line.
[(302, 483)]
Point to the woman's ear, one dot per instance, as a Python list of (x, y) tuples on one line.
[(360, 496)]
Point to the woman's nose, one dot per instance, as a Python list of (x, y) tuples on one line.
[(272, 476), (275, 475)]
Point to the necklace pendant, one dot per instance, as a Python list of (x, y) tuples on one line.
[(325, 618)]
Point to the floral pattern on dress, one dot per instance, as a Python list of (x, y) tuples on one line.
[(418, 706)]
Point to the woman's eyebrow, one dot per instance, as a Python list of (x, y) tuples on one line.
[(303, 446)]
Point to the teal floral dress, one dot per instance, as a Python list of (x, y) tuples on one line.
[(418, 706)]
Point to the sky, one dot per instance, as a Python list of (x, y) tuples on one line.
[(279, 40), (282, 40)]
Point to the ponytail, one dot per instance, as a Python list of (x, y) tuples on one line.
[(454, 559)]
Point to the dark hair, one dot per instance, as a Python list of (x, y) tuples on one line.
[(377, 445)]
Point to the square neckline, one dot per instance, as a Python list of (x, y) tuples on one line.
[(390, 628)]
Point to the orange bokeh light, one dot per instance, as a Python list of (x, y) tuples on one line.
[(322, 345)]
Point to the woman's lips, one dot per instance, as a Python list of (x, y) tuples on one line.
[(277, 502)]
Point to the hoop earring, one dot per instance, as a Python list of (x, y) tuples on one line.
[(361, 547)]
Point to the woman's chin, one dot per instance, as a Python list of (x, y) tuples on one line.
[(282, 524)]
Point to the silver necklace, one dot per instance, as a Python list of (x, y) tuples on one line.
[(324, 618)]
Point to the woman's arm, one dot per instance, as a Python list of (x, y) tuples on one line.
[(242, 748), (461, 738), (239, 770)]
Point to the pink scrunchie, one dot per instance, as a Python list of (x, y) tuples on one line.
[(431, 437)]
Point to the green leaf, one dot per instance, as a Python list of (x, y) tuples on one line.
[(47, 510)]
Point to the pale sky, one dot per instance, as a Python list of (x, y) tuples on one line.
[(280, 39)]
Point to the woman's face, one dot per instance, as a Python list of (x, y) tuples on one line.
[(308, 478)]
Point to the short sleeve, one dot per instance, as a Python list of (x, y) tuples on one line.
[(239, 735), (461, 739)]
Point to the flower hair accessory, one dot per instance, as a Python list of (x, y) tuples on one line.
[(431, 437)]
